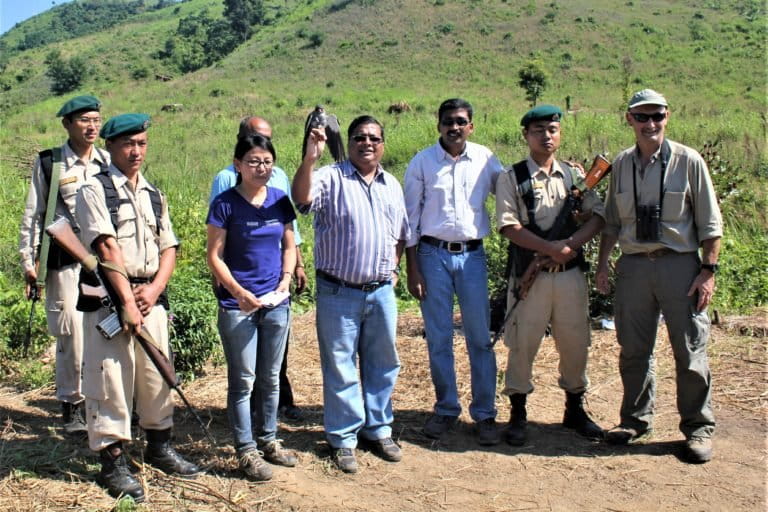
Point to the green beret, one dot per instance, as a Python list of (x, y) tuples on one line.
[(124, 123), (542, 113), (79, 103)]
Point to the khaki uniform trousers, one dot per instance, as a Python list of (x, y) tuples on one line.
[(559, 299), (66, 324), (118, 370)]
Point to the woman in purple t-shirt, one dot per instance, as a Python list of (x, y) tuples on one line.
[(250, 252)]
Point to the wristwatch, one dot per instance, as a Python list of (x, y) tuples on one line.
[(712, 267)]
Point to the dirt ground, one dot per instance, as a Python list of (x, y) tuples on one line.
[(40, 470)]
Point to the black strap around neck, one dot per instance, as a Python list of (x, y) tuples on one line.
[(666, 151)]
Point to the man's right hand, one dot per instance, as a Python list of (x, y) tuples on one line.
[(560, 252), (416, 284), (132, 318), (315, 144), (30, 289)]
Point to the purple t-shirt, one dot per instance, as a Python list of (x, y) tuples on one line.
[(252, 248)]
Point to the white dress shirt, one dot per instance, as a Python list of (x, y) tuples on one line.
[(445, 197)]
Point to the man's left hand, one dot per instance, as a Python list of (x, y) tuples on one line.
[(146, 297), (704, 284)]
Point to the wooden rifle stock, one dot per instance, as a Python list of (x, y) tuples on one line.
[(61, 231), (600, 168)]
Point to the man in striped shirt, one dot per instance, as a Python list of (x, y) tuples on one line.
[(360, 230)]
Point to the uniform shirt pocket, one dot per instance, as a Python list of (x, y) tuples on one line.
[(126, 221)]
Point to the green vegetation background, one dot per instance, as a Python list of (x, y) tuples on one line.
[(360, 56)]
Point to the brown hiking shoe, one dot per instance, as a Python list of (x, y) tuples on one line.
[(254, 466), (276, 454), (698, 450), (345, 460)]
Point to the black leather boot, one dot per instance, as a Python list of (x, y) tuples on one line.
[(161, 454), (115, 476), (74, 419), (576, 417), (515, 432)]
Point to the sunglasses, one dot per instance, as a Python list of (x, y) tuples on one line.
[(643, 118), (363, 137), (450, 121)]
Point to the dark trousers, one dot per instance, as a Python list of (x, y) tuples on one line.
[(286, 393)]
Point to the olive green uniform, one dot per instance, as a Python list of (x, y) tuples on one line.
[(117, 371), (64, 321)]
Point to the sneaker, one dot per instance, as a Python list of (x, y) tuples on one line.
[(291, 413), (622, 435), (345, 460), (254, 466), (438, 424), (698, 450), (276, 454), (386, 448), (487, 433)]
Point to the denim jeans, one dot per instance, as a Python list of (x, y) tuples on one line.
[(465, 275), (253, 345), (357, 328)]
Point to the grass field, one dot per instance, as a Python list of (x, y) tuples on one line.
[(707, 57)]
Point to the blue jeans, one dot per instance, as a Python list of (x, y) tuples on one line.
[(352, 326), (464, 274), (253, 345)]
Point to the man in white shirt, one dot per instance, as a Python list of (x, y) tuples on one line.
[(446, 186)]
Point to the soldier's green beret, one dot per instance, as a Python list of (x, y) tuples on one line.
[(124, 124), (79, 103), (542, 113)]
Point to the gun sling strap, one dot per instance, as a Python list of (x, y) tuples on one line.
[(518, 257), (113, 202)]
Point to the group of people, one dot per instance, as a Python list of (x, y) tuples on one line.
[(660, 208)]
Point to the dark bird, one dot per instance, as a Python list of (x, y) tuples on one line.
[(319, 118)]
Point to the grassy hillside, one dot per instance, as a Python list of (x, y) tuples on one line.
[(706, 56)]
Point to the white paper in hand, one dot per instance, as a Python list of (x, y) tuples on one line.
[(273, 298)]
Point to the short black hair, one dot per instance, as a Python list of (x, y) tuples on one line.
[(364, 119), (255, 140), (454, 104)]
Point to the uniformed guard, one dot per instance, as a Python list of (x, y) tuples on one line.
[(57, 175), (125, 220), (529, 199)]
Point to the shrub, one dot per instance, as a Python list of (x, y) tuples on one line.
[(66, 75), (193, 311)]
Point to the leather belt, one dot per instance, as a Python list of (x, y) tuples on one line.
[(653, 255), (563, 267), (452, 247), (366, 287)]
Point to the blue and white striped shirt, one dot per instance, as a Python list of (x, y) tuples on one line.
[(357, 225)]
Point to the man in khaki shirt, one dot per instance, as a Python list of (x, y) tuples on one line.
[(141, 248), (77, 160), (559, 295), (661, 207)]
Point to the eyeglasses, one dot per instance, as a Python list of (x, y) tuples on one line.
[(364, 136), (643, 118), (450, 121), (89, 120), (257, 163)]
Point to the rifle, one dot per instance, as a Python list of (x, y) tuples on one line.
[(62, 232), (34, 296), (600, 168)]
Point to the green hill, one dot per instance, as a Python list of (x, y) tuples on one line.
[(361, 56)]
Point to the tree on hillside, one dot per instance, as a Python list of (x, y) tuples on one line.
[(533, 79), (243, 15), (66, 74)]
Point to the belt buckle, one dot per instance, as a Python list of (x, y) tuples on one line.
[(455, 247), (369, 287)]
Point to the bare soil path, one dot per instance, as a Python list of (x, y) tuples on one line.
[(40, 470)]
